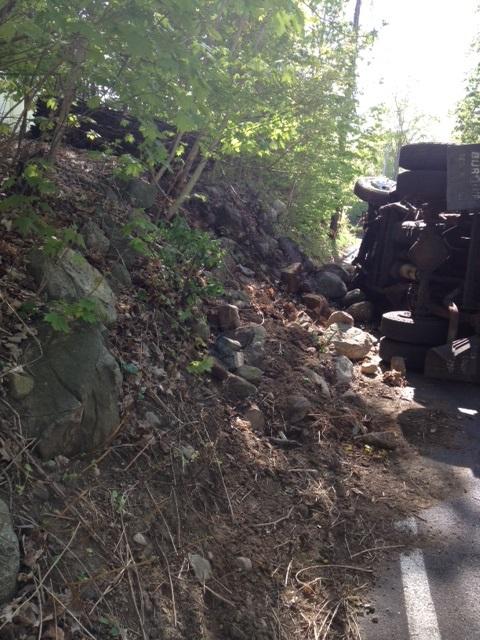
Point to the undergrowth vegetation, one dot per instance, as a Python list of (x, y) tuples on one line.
[(268, 84)]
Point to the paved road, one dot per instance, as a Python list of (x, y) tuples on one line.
[(432, 592)]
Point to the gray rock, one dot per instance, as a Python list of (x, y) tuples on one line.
[(70, 278), (249, 273), (238, 388), (318, 381), (340, 317), (343, 272), (229, 352), (256, 418), (201, 567), (73, 406), (349, 341), (329, 285), (266, 246), (343, 370), (297, 408), (292, 251), (218, 371), (95, 240), (352, 297), (361, 311), (228, 317), (252, 374), (252, 338), (142, 193), (279, 206), (9, 555), (251, 333), (269, 216), (120, 277), (244, 564), (227, 216), (20, 384)]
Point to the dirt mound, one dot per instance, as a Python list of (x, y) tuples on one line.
[(201, 518)]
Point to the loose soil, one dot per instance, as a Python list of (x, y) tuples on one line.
[(107, 540)]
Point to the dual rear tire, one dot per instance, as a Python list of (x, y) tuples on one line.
[(410, 337)]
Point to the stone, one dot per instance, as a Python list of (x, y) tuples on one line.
[(249, 334), (340, 317), (361, 311), (95, 240), (297, 408), (279, 206), (255, 417), (70, 277), (249, 273), (244, 564), (9, 555), (120, 277), (20, 384), (218, 371), (238, 388), (229, 217), (290, 277), (228, 317), (155, 421), (352, 297), (142, 193), (339, 270), (370, 368), (351, 342), (314, 301), (318, 381), (266, 245), (201, 567), (73, 407), (252, 374), (230, 353), (329, 285), (343, 370), (291, 250), (140, 539)]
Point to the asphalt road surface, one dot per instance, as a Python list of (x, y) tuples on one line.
[(432, 591)]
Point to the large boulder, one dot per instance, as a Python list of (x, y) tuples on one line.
[(71, 277), (72, 404), (329, 284), (9, 555), (347, 341)]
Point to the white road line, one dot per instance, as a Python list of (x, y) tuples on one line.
[(421, 615)]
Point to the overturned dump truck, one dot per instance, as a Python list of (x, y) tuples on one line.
[(419, 259)]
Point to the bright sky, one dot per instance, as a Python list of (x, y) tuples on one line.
[(423, 54)]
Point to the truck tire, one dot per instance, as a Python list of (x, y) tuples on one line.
[(422, 185), (369, 190), (424, 155), (413, 354), (402, 327)]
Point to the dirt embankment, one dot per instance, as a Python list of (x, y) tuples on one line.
[(215, 511)]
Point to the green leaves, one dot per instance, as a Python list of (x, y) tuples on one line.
[(62, 314)]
